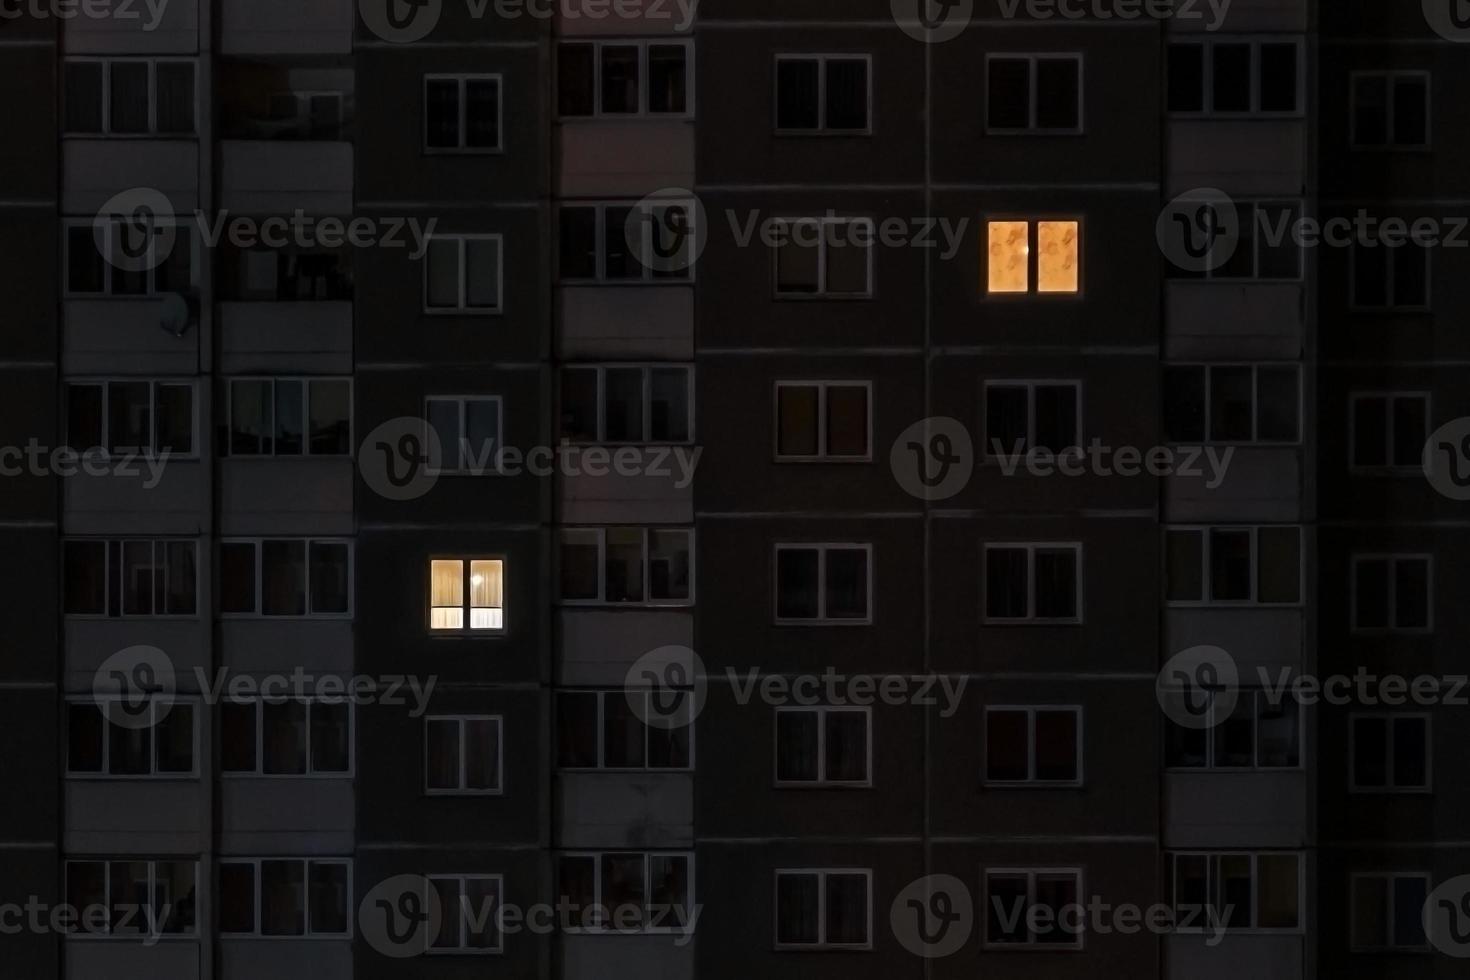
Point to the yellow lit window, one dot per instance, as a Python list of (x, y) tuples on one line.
[(1055, 246), (451, 580), (1056, 265), (1009, 257)]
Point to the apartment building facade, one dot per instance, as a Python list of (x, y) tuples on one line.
[(651, 415)]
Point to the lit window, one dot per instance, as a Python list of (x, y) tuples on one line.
[(1055, 245), (482, 580)]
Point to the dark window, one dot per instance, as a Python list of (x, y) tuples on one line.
[(826, 94)]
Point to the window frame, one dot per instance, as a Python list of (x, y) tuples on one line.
[(1355, 945), (646, 368), (822, 293), (1032, 781), (1033, 222), (463, 948), (259, 702), (1211, 734), (823, 781), (105, 421), (821, 456), (466, 467), (1207, 80), (306, 382), (1390, 441), (1390, 787), (1392, 559), (1391, 271), (463, 789), (258, 541), (1255, 223), (1032, 58), (602, 694), (1031, 874), (1206, 576), (467, 562), (1211, 858), (648, 601), (987, 448), (154, 774), (462, 80), (1392, 78), (604, 928), (77, 932), (461, 242), (822, 945), (822, 59), (152, 61), (259, 911), (643, 112), (648, 275), (1207, 396), (821, 548), (1078, 548), (107, 578), (108, 294)]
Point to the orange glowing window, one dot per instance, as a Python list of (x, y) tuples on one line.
[(1041, 256)]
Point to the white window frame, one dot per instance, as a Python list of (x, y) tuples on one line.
[(823, 247), (1031, 874), (643, 111), (306, 862), (259, 542), (258, 703), (463, 789), (1392, 560), (144, 452), (467, 566), (648, 275), (1390, 444), (1033, 225), (822, 455), (1034, 98), (1391, 79), (821, 548), (1031, 385), (1210, 367), (464, 466), (1355, 943), (823, 781), (461, 245), (107, 570), (1254, 224), (109, 270), (463, 948), (1259, 699), (306, 382), (462, 79), (648, 600), (154, 774), (1031, 547), (78, 931), (627, 693), (1391, 787), (606, 928), (152, 61), (1207, 82), (822, 59), (1032, 781), (1211, 858), (822, 943), (647, 370), (1355, 305), (1206, 581)]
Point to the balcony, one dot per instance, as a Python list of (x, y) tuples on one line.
[(136, 816), (613, 498), (1243, 809), (144, 28), (599, 645), (1250, 157), (283, 959), (286, 496), (287, 815), (177, 959), (279, 177), (625, 158), (95, 169), (1260, 484), (286, 27), (625, 810), (288, 337), (165, 499), (124, 336), (626, 322), (595, 957), (1261, 957), (280, 645), (1233, 320), (1267, 637)]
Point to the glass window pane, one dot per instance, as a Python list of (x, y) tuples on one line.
[(482, 434), (669, 395), (1232, 77), (1009, 257), (446, 594), (331, 418), (1056, 417), (83, 96), (623, 888), (577, 246), (846, 756), (796, 583), (619, 260), (328, 898), (1007, 419), (1410, 892), (84, 734), (174, 81), (86, 271), (283, 578), (622, 734), (579, 404), (330, 743), (1186, 78), (237, 897), (798, 258), (174, 420), (619, 78), (290, 415), (84, 565), (129, 418), (482, 113), (797, 904), (1280, 564), (1411, 594), (238, 736), (173, 739), (1370, 752), (1370, 110), (138, 578), (797, 735), (482, 754), (443, 416), (797, 414), (847, 909), (1006, 905), (441, 736), (284, 730), (441, 113), (1410, 430), (575, 83), (330, 574), (623, 404), (1056, 583), (666, 78), (1370, 912), (1277, 404), (252, 422), (482, 273), (442, 284), (1008, 98), (129, 97), (1230, 565), (1230, 404), (1006, 583), (283, 898), (1410, 753), (579, 565), (847, 421), (1057, 266), (1056, 745), (1058, 94), (1370, 431), (1410, 112), (84, 417), (1279, 734), (1007, 757), (1278, 78), (1186, 565), (576, 729), (623, 565), (847, 94), (1276, 892), (669, 568), (847, 583), (487, 594), (849, 256), (796, 94)]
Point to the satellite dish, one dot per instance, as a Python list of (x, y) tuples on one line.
[(176, 315)]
